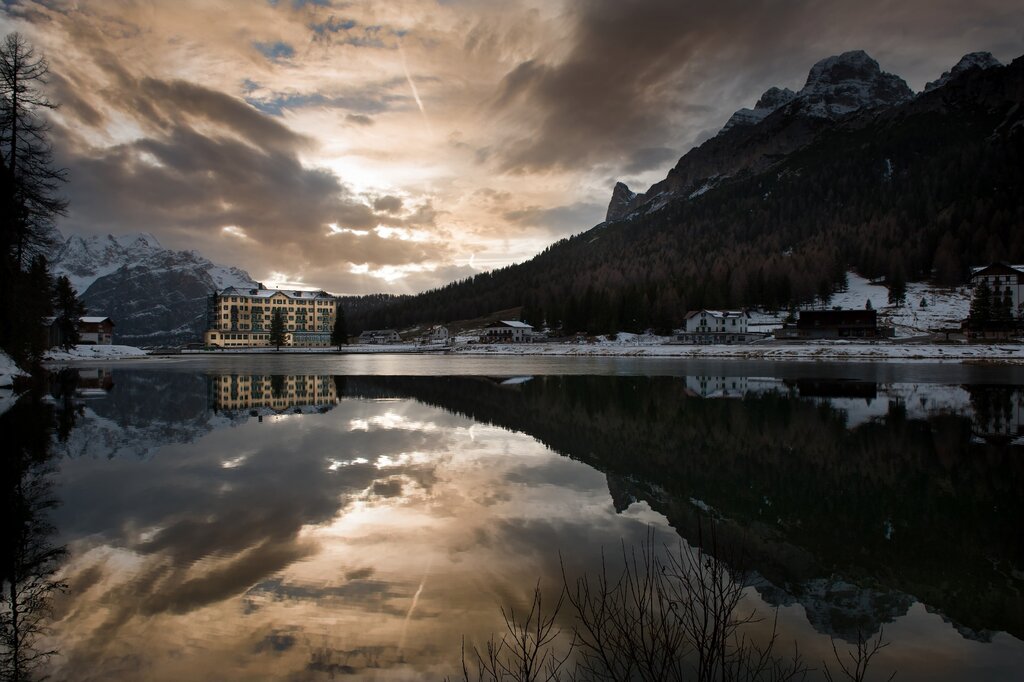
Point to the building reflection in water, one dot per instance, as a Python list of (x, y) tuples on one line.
[(278, 393)]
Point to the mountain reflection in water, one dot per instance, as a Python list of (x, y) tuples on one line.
[(231, 526)]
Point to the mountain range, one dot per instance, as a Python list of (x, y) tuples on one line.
[(155, 296), (853, 171)]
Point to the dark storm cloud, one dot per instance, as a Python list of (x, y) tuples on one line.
[(649, 158), (208, 161), (560, 220), (388, 204), (634, 71)]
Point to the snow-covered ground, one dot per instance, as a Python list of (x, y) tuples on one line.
[(943, 308), (8, 370), (836, 350), (93, 353)]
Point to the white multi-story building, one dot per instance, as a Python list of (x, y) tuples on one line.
[(240, 317), (715, 326), (1002, 279)]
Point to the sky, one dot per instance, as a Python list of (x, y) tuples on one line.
[(366, 147)]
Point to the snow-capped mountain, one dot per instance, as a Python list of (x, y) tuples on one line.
[(154, 295), (837, 89), (974, 60)]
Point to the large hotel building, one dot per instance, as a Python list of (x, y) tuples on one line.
[(239, 317)]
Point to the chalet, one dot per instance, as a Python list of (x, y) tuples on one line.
[(716, 326), (508, 331), (92, 331), (379, 336), (833, 324), (97, 331)]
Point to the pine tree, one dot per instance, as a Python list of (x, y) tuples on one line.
[(277, 337), (981, 304), (897, 286), (26, 339), (30, 201), (339, 335), (69, 309)]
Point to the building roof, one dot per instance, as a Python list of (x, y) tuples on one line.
[(515, 324), (379, 332), (95, 320), (810, 319), (267, 293), (717, 313), (997, 269)]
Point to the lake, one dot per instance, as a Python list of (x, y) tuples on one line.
[(313, 517)]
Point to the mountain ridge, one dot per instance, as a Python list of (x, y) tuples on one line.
[(154, 295)]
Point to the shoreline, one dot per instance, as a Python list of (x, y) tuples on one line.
[(1008, 354)]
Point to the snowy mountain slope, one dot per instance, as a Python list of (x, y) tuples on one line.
[(154, 295), (974, 60), (837, 88)]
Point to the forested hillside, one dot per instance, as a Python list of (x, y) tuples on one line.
[(920, 190)]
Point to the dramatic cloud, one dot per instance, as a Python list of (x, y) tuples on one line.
[(387, 146)]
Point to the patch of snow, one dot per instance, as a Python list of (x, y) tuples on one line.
[(8, 371), (83, 352)]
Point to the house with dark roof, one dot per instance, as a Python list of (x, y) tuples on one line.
[(377, 336), (508, 331), (834, 324)]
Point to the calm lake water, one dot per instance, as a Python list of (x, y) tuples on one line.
[(310, 518)]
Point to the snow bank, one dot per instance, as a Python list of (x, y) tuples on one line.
[(836, 350), (8, 370), (93, 353)]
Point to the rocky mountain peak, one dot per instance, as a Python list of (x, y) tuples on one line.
[(772, 99), (847, 82), (972, 60), (622, 198)]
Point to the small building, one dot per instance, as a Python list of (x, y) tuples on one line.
[(92, 331), (833, 324), (436, 334), (98, 331), (508, 331), (716, 326), (379, 336)]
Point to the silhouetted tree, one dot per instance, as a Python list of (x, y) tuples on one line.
[(69, 309), (277, 334), (30, 201), (28, 198), (29, 560), (339, 335), (981, 304)]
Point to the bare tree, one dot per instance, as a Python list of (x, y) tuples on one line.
[(31, 182), (527, 651), (854, 665)]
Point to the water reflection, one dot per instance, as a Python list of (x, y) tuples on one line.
[(30, 556), (272, 526)]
